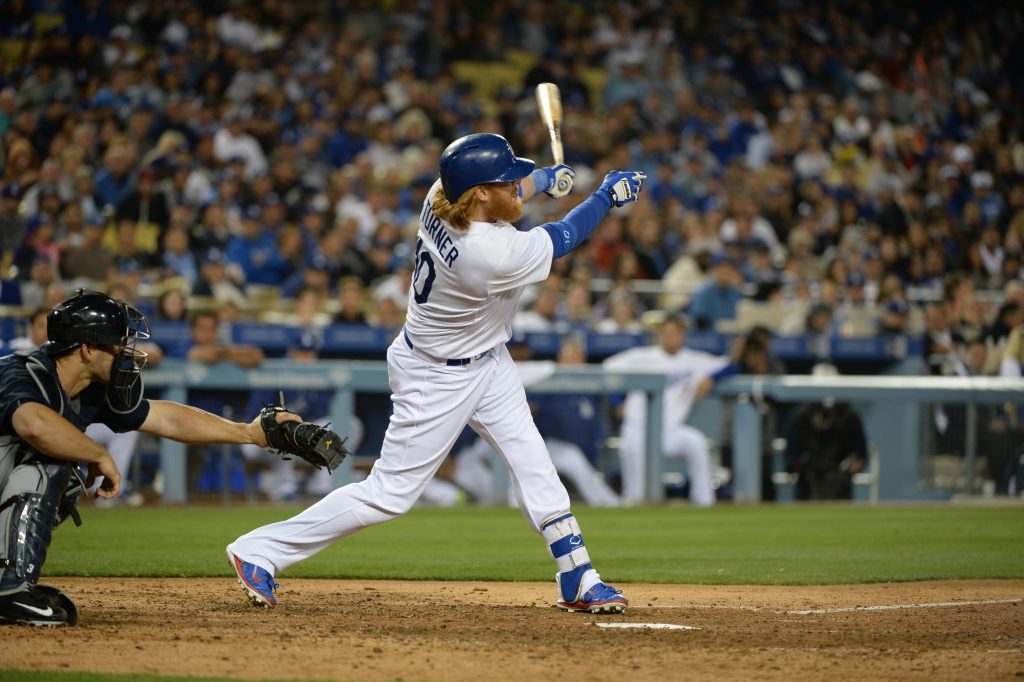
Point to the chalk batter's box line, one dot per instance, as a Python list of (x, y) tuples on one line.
[(847, 609)]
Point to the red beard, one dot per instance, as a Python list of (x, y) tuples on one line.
[(506, 206)]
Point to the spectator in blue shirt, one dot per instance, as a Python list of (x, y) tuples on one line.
[(717, 300), (114, 181), (178, 259), (253, 250), (989, 203)]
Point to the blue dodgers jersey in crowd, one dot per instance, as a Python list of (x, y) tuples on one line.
[(573, 418), (32, 378)]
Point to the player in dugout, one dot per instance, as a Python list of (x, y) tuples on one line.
[(450, 367), (88, 371)]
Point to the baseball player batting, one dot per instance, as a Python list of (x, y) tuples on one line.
[(449, 367)]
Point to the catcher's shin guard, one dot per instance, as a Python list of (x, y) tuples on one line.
[(27, 538), (27, 520), (565, 543)]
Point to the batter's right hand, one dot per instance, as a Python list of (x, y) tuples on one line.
[(622, 187), (105, 468)]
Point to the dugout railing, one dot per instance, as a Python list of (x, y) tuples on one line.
[(175, 379), (890, 406), (892, 409)]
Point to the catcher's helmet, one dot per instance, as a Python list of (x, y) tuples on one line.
[(477, 160), (93, 318), (96, 319)]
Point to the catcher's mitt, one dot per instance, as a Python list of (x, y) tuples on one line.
[(319, 446)]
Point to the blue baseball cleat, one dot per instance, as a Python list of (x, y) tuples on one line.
[(601, 598), (258, 584)]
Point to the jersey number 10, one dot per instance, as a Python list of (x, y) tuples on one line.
[(422, 258)]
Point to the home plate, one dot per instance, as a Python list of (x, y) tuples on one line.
[(646, 626)]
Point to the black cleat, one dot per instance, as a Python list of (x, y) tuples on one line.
[(39, 605)]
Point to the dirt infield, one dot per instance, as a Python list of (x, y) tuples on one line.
[(373, 630)]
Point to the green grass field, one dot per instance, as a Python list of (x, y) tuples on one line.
[(779, 545)]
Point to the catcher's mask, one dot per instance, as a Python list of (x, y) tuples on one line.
[(98, 320)]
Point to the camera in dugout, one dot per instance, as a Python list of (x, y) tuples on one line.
[(37, 492)]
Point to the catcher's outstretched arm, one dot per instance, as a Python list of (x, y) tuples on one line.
[(191, 425)]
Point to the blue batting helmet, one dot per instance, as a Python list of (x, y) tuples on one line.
[(479, 159)]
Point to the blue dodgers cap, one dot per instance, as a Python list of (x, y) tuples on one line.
[(11, 190), (215, 255), (37, 221), (290, 137), (721, 258), (102, 99), (818, 309), (760, 245), (319, 263), (896, 306), (128, 266)]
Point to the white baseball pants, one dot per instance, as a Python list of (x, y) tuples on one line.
[(432, 404), (121, 447)]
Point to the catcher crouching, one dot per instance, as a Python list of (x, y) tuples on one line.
[(90, 371)]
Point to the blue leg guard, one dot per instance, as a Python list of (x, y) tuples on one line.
[(565, 543)]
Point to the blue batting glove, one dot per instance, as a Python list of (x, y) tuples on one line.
[(622, 187)]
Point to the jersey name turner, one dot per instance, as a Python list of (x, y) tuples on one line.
[(466, 283), (434, 227)]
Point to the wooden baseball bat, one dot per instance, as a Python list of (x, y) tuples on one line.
[(549, 102)]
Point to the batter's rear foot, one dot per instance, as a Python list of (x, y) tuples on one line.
[(601, 598)]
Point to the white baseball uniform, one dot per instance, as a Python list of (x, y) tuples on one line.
[(683, 373), (121, 447), (449, 367)]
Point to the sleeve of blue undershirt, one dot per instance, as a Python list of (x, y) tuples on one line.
[(730, 370), (578, 224)]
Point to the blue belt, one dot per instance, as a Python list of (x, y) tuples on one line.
[(458, 362)]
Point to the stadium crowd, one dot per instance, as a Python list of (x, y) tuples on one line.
[(837, 155), (268, 159)]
